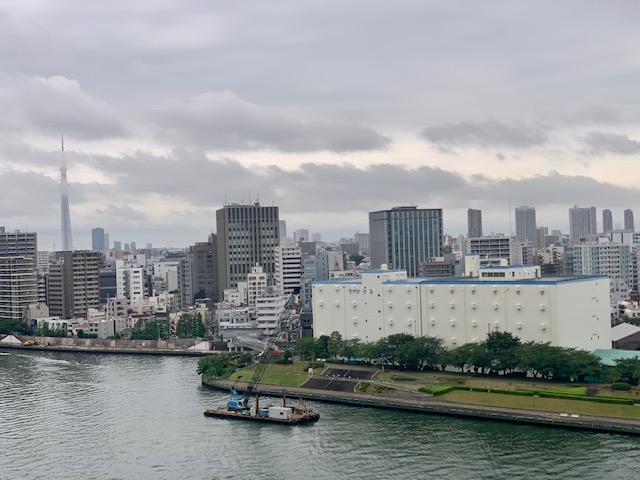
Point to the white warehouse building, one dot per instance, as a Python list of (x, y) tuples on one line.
[(565, 311)]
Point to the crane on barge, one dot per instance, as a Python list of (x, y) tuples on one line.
[(241, 402), (238, 407)]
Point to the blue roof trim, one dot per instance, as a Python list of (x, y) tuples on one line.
[(474, 281)]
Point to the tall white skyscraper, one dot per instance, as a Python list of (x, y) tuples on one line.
[(628, 220), (526, 224), (65, 217), (582, 222)]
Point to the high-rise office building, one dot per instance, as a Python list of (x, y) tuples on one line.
[(404, 237), (246, 235), (474, 223), (97, 240), (628, 220), (117, 245), (582, 222), (526, 225), (204, 268), (607, 221), (72, 284)]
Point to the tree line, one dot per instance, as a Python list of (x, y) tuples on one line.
[(500, 353)]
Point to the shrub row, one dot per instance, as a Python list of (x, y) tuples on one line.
[(403, 379), (620, 386), (530, 393), (437, 389)]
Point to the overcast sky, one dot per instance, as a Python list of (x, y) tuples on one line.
[(328, 109)]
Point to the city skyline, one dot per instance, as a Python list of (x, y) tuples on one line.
[(186, 106)]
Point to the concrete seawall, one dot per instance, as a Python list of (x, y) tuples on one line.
[(416, 402), (98, 345)]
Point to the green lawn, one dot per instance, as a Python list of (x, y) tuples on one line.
[(543, 404), (285, 375)]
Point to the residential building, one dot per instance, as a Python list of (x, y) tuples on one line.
[(18, 286), (474, 223), (130, 281), (256, 285), (403, 237), (288, 269), (582, 223), (172, 274), (246, 235), (611, 259), (72, 284)]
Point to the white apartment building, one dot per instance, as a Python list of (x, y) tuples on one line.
[(130, 281), (565, 311), (288, 268), (256, 285), (269, 309)]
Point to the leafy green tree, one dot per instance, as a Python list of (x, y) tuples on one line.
[(306, 348), (350, 348), (216, 366), (458, 357), (420, 352), (628, 370), (335, 344), (322, 347), (287, 356), (149, 329), (367, 351), (390, 349), (480, 357), (582, 363), (10, 325), (503, 346), (539, 358), (357, 258)]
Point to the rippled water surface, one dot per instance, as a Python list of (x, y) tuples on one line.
[(136, 417)]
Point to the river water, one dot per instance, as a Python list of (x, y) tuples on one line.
[(85, 416)]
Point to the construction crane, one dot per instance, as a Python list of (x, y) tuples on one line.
[(238, 402)]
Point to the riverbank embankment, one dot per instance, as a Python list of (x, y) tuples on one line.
[(417, 402), (180, 347)]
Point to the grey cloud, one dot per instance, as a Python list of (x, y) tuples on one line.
[(176, 195), (595, 114), (223, 121), (490, 133), (52, 105), (599, 143)]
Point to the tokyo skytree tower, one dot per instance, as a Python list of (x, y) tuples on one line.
[(65, 218)]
